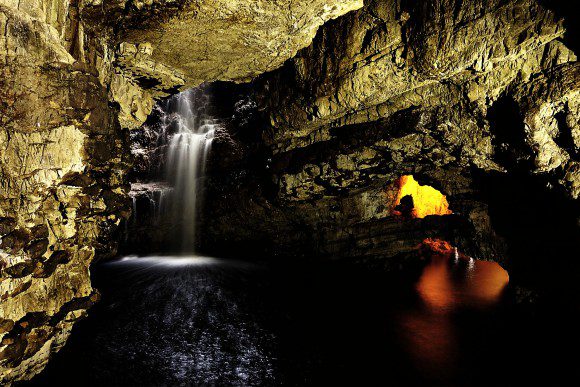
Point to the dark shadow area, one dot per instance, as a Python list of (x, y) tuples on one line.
[(539, 225), (564, 138), (237, 323), (235, 161), (507, 128), (531, 211), (568, 10)]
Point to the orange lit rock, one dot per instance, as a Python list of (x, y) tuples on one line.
[(427, 200), (438, 246)]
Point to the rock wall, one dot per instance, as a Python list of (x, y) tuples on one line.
[(408, 89), (164, 45), (400, 88), (217, 39), (418, 88), (62, 192)]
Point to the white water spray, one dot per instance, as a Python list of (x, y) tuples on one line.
[(181, 144), (185, 161)]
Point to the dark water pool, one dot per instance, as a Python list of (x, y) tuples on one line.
[(206, 321)]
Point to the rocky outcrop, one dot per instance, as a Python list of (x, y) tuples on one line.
[(61, 192), (408, 91), (550, 104), (393, 89), (415, 54), (422, 88), (165, 45), (420, 78), (218, 39)]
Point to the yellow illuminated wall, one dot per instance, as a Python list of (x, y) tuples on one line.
[(427, 200)]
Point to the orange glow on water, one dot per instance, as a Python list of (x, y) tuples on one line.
[(435, 286), (452, 279), (449, 283), (426, 200)]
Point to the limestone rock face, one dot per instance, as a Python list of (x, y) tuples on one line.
[(137, 80), (550, 103), (353, 97), (396, 57), (443, 63), (162, 46), (75, 76), (61, 184)]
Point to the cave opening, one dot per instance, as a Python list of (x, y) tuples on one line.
[(417, 200), (177, 312)]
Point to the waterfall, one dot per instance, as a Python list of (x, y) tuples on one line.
[(172, 151), (186, 156)]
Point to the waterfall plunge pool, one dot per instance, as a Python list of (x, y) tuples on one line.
[(208, 321)]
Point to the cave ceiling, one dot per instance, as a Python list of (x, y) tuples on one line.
[(215, 39)]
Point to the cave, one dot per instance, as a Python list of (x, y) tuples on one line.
[(252, 192)]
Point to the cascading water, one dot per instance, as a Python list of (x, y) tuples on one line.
[(186, 157), (182, 138)]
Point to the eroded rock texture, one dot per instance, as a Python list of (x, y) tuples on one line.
[(163, 45), (409, 89), (455, 93), (466, 96), (219, 39), (61, 190)]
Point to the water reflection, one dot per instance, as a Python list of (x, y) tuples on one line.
[(204, 321), (449, 283), (134, 261), (452, 279), (183, 320)]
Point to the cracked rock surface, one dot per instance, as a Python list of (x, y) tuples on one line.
[(462, 95), (61, 190)]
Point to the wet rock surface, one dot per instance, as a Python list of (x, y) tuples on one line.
[(72, 83)]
